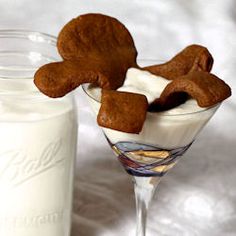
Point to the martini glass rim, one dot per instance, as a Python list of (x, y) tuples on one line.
[(85, 87)]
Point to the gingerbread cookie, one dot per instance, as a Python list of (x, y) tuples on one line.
[(96, 48), (207, 89), (122, 111)]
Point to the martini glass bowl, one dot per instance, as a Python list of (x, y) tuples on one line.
[(149, 155)]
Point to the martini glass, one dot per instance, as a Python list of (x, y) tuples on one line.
[(148, 156)]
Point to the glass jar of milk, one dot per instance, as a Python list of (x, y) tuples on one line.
[(37, 141)]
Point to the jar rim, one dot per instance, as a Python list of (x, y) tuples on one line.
[(32, 35), (31, 46)]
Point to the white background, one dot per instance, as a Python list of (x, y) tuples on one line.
[(199, 196)]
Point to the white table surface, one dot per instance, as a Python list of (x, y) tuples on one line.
[(198, 197)]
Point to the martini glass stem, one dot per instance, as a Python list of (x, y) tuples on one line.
[(144, 188)]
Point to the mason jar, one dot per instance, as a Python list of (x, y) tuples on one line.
[(38, 138)]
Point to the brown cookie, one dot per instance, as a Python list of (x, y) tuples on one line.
[(192, 58), (204, 87), (122, 111), (97, 49)]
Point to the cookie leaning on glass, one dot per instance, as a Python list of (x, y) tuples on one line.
[(98, 49)]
